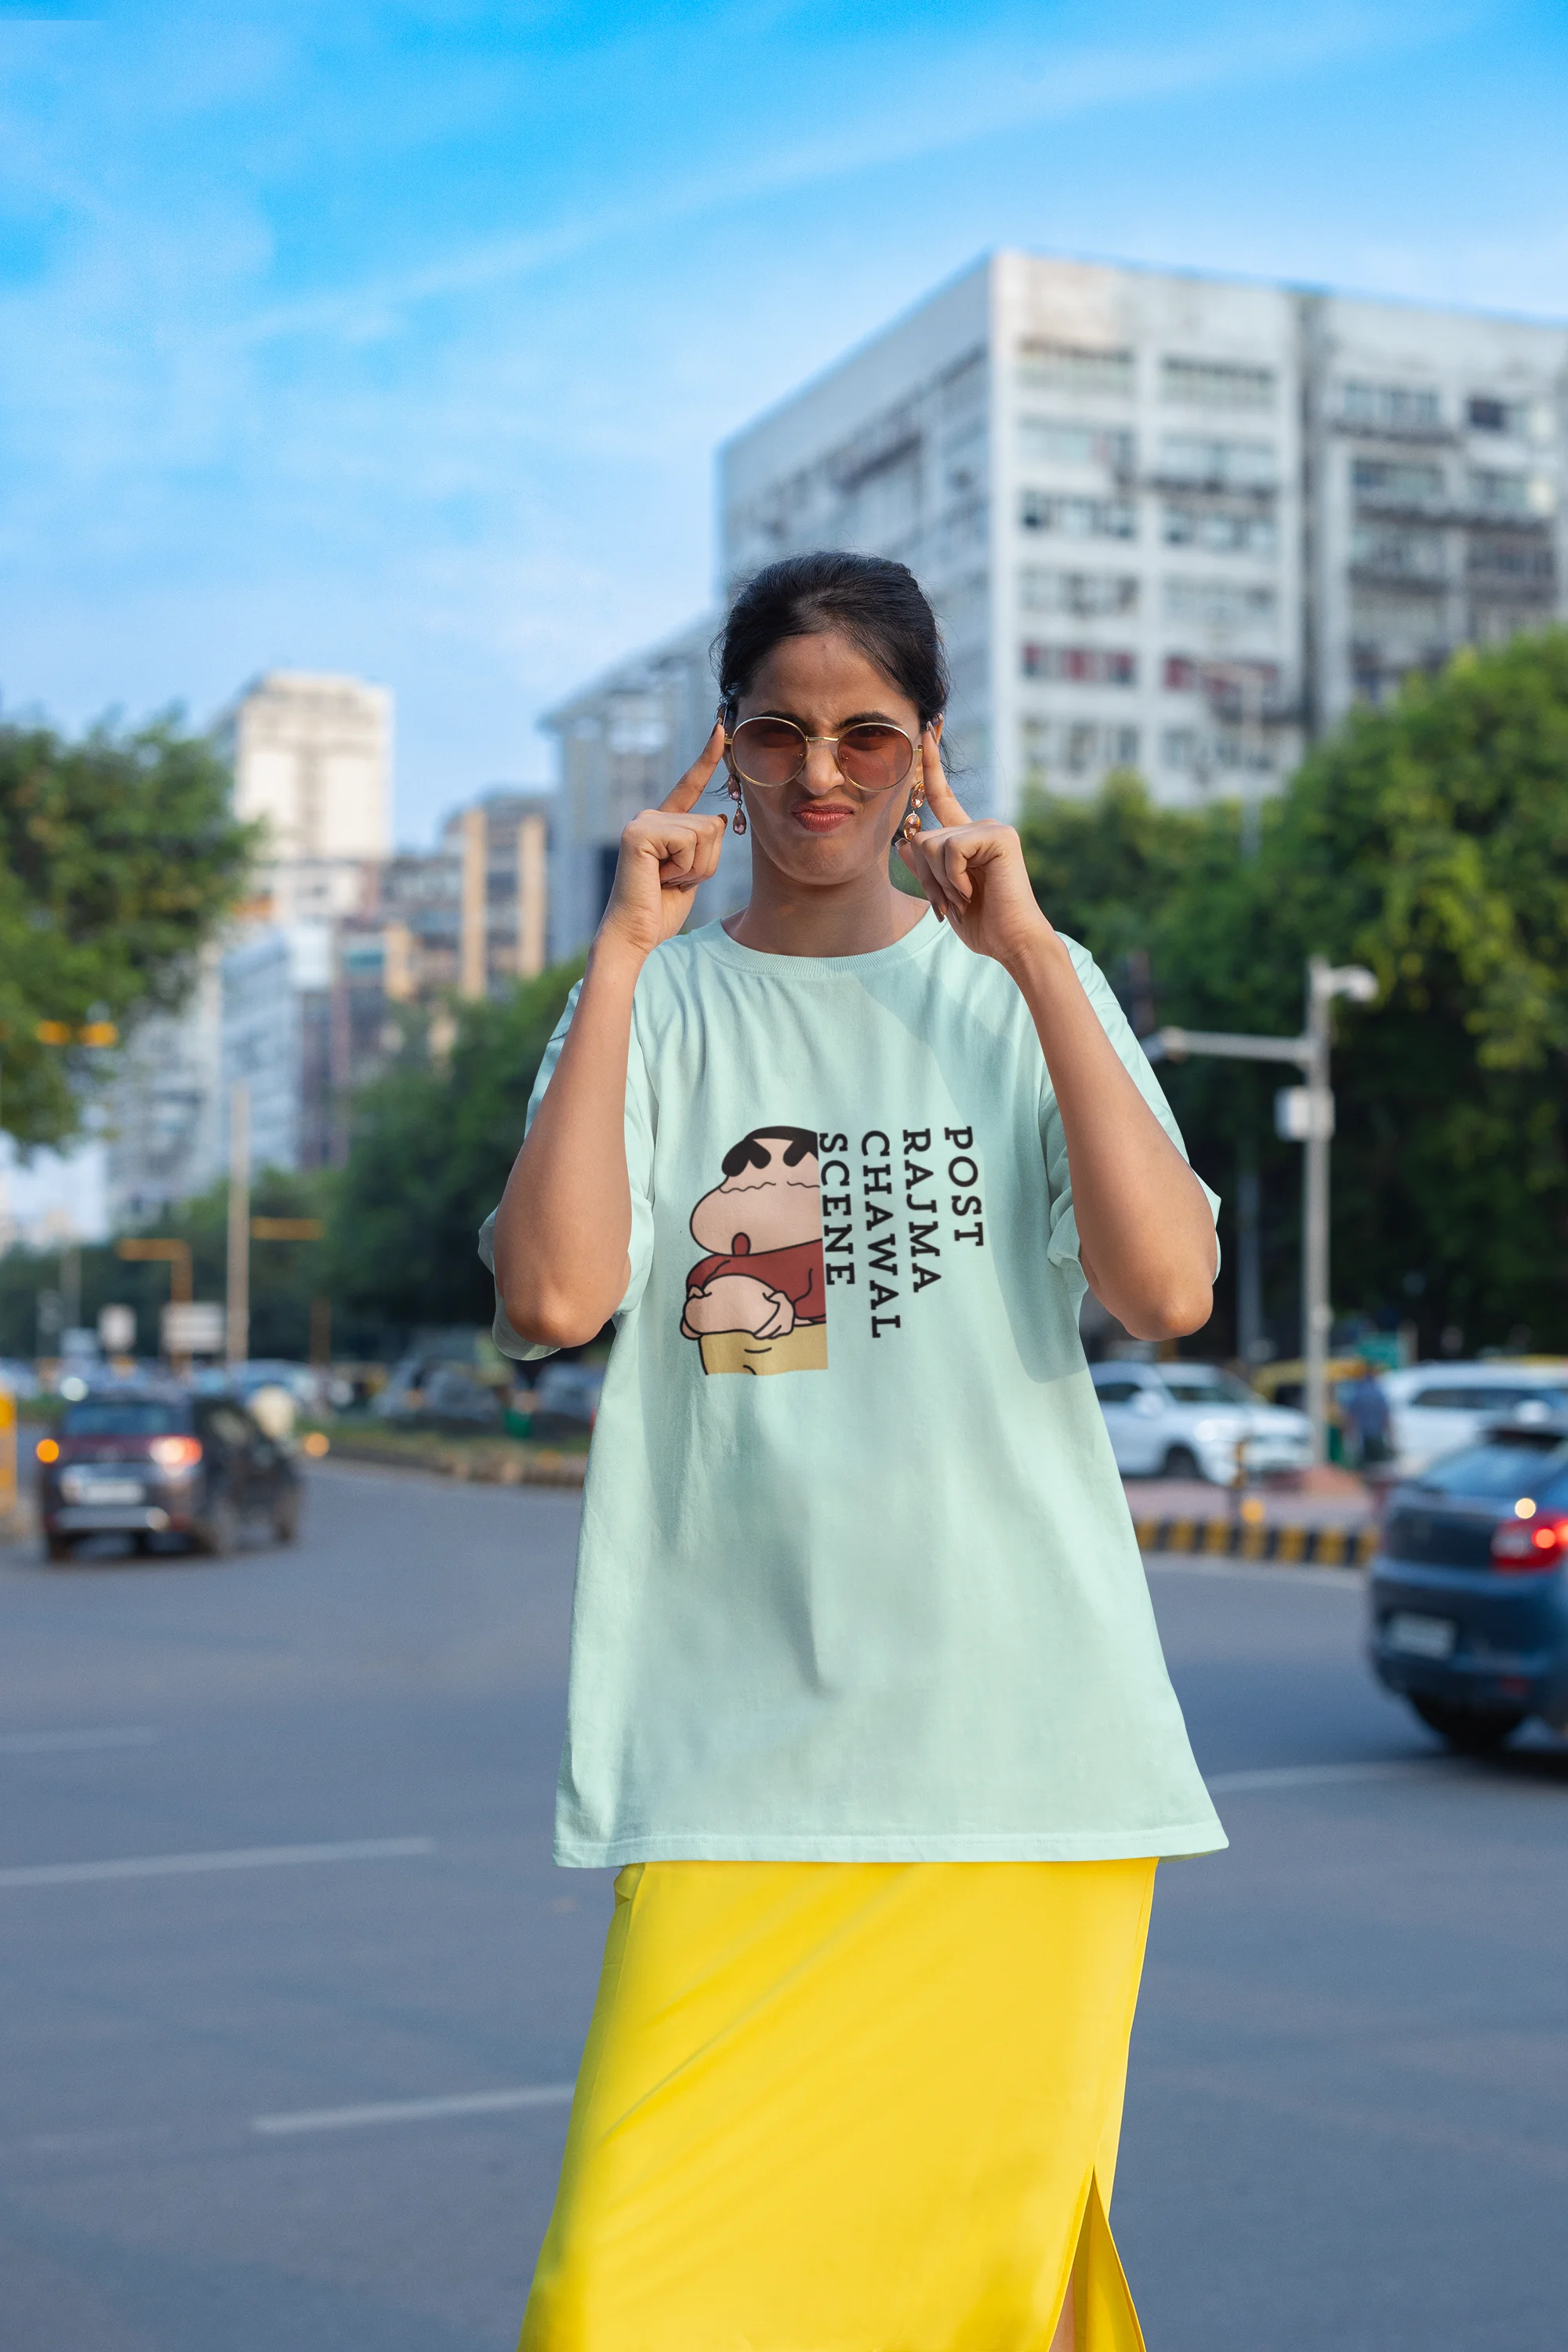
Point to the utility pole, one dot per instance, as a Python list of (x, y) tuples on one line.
[(1305, 1115), (238, 1333)]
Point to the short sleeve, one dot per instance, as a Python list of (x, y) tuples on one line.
[(1063, 1251), (639, 1133)]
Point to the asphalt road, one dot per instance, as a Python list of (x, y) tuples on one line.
[(276, 1910)]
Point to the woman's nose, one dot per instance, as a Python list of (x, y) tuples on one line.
[(820, 774)]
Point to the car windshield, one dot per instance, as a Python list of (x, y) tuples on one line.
[(1517, 1465), (1496, 1397), (1207, 1386), (126, 1417)]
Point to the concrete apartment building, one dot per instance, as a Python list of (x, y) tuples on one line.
[(300, 999), (1172, 522)]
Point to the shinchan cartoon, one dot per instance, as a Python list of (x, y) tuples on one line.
[(759, 1302)]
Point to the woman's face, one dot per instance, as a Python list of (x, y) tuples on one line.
[(820, 830)]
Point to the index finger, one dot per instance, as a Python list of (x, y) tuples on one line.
[(940, 798), (700, 775)]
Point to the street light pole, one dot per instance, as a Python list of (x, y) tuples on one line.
[(237, 1328), (1306, 1115)]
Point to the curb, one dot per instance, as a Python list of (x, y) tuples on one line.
[(1291, 1546), (541, 1469)]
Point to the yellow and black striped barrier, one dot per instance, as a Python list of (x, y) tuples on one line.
[(1248, 1538)]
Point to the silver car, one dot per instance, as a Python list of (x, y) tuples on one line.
[(1195, 1421)]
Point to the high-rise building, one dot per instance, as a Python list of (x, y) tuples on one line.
[(1170, 522), (312, 760)]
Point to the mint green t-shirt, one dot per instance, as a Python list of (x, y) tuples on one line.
[(857, 1579)]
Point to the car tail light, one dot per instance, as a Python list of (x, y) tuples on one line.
[(175, 1452), (1522, 1545)]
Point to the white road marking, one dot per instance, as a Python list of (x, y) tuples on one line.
[(1314, 1776), (56, 1743), (413, 2111), (244, 1857)]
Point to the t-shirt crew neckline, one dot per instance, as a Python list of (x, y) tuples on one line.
[(916, 942)]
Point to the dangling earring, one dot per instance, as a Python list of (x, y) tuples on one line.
[(738, 822), (912, 824)]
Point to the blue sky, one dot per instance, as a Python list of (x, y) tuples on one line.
[(399, 339)]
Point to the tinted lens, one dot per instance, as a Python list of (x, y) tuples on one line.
[(876, 757), (768, 750)]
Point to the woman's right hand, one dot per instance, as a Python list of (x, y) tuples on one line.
[(664, 853)]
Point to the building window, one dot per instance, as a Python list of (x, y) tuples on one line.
[(1078, 518), (1485, 414), (1054, 441), (1509, 493), (1396, 482), (1217, 383), (1075, 747), (1083, 593), (1219, 604), (1519, 566), (1383, 618), (1224, 682), (1046, 366), (1220, 465), (1179, 747), (1390, 407), (1084, 665), (1409, 553), (1223, 530)]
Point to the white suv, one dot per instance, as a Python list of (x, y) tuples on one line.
[(1188, 1421), (1436, 1408)]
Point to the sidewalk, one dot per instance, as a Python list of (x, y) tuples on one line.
[(1331, 1529)]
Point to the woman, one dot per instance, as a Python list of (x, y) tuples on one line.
[(866, 1693)]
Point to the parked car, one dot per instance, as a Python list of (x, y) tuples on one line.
[(565, 1400), (153, 1461), (439, 1391), (1469, 1617), (1188, 1421), (1436, 1409)]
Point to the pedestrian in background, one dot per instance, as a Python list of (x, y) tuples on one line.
[(867, 1701), (1364, 1403)]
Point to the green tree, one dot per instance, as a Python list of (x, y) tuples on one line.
[(430, 1147), (118, 856), (1429, 841)]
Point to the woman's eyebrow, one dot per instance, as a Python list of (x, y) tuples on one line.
[(856, 719)]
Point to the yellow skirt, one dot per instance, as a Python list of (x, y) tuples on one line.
[(849, 2108)]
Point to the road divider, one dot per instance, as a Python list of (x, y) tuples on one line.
[(413, 2111), (1291, 1545), (189, 1866)]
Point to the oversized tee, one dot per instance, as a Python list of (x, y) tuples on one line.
[(857, 1579)]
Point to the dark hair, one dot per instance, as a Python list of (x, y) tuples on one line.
[(879, 605), (802, 1143)]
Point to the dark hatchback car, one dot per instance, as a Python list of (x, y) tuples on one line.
[(1469, 1614), (153, 1462)]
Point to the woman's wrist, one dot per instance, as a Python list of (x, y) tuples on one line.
[(614, 961), (1039, 959)]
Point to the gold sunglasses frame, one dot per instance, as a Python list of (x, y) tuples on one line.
[(872, 792)]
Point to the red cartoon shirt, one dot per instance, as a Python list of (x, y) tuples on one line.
[(796, 1270)]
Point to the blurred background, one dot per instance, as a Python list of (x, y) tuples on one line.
[(390, 400)]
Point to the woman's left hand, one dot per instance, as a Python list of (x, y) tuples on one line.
[(973, 873)]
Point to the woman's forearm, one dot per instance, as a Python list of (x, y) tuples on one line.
[(562, 1232), (1146, 1238)]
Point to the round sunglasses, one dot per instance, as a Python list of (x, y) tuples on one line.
[(874, 756)]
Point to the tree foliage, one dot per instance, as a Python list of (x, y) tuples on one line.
[(284, 1275), (118, 856), (430, 1148), (1430, 842)]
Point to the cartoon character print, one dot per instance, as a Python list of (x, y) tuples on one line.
[(758, 1302)]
